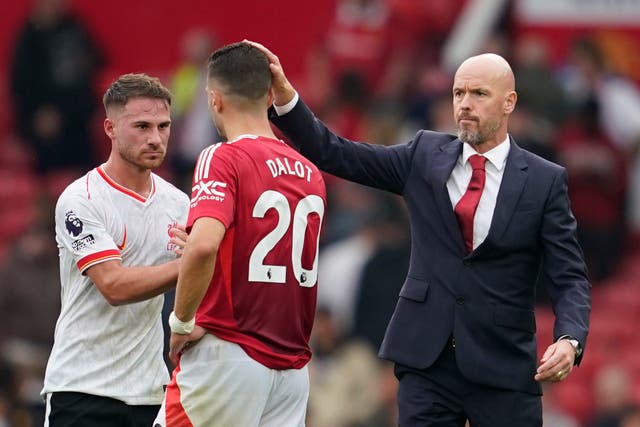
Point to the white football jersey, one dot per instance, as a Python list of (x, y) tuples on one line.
[(100, 349)]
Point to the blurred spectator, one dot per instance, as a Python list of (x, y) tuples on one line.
[(536, 85), (344, 377), (348, 206), (12, 412), (29, 305), (29, 291), (384, 273), (383, 123), (27, 361), (612, 396), (357, 40), (428, 98), (345, 110), (597, 175), (532, 132), (339, 270), (618, 98), (441, 114), (193, 128), (54, 64), (420, 29)]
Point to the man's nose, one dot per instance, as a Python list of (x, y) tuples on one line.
[(155, 137), (465, 102)]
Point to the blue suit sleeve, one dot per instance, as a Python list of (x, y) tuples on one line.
[(569, 287), (377, 166)]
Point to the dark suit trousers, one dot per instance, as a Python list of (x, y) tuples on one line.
[(440, 396)]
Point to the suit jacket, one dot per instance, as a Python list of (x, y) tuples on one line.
[(485, 298)]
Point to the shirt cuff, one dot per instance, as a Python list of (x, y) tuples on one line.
[(281, 110)]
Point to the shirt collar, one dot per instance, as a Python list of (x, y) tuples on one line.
[(497, 156), (245, 136)]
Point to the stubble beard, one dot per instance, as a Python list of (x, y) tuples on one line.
[(478, 138), (142, 164)]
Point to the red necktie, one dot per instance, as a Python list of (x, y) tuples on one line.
[(466, 208)]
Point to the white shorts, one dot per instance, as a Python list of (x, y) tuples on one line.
[(216, 384)]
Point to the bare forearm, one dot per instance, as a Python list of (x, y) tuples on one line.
[(195, 275), (125, 285), (198, 263)]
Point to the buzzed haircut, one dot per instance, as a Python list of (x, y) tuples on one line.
[(134, 85), (240, 69)]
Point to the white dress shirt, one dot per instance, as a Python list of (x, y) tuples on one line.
[(461, 175)]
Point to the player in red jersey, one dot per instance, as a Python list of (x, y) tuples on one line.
[(249, 270)]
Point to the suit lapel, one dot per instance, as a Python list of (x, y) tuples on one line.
[(513, 180), (444, 160)]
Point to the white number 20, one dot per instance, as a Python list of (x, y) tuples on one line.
[(261, 272)]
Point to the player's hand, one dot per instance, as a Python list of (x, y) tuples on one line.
[(178, 235), (178, 343), (557, 362), (283, 91)]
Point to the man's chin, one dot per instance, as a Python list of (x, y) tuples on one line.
[(152, 163), (469, 138)]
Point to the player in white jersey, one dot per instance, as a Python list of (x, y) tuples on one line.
[(249, 267), (119, 234)]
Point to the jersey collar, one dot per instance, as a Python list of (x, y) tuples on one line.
[(125, 190)]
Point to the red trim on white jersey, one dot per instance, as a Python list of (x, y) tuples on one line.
[(124, 239), (98, 257), (125, 190), (87, 187)]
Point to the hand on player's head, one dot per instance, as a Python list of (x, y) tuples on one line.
[(283, 91)]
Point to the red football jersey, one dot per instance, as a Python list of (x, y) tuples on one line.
[(263, 292)]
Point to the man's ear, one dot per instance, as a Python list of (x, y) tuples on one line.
[(216, 100), (109, 128), (270, 97), (510, 102)]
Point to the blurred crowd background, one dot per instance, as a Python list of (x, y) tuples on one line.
[(375, 70)]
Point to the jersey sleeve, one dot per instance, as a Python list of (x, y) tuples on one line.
[(81, 231), (214, 186)]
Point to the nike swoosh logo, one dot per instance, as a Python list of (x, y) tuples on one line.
[(124, 239)]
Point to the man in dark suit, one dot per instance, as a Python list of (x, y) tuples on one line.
[(487, 217)]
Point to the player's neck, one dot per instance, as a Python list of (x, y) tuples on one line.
[(247, 125), (129, 176)]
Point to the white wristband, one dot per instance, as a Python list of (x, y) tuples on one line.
[(177, 326)]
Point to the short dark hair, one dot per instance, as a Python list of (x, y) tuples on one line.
[(241, 69), (132, 85)]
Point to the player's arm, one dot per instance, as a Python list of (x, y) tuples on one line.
[(196, 271), (198, 262), (374, 165), (125, 285)]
